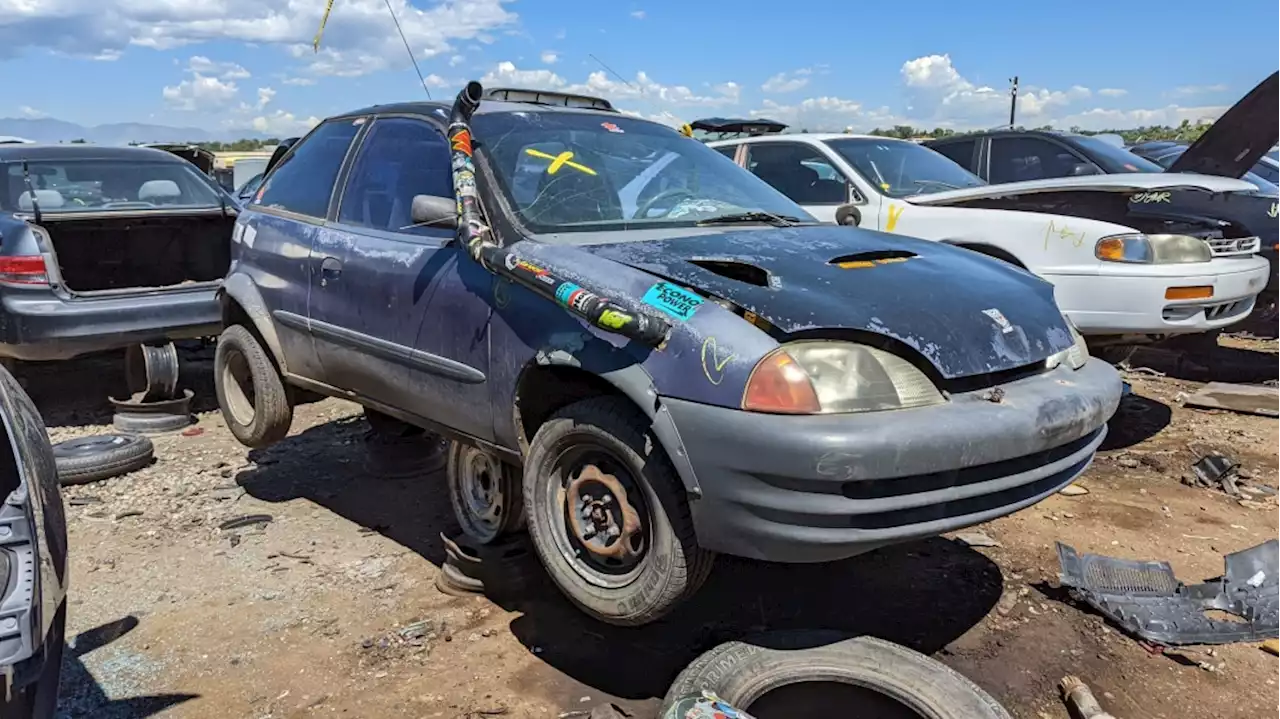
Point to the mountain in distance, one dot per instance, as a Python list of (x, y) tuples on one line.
[(48, 129)]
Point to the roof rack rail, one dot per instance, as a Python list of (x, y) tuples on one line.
[(547, 97)]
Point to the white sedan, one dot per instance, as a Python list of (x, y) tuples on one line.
[(1113, 276)]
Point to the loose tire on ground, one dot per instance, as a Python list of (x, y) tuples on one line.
[(673, 566), (89, 459), (251, 395), (742, 672), (485, 493)]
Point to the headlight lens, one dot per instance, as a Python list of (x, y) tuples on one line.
[(826, 377), (1074, 356), (1138, 248)]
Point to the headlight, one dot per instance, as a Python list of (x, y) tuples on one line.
[(1153, 249), (1074, 356), (826, 377)]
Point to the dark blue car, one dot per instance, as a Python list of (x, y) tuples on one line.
[(642, 349)]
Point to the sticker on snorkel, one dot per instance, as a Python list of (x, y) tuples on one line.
[(461, 142), (612, 127), (673, 300), (564, 159)]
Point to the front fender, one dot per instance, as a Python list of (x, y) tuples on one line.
[(239, 288)]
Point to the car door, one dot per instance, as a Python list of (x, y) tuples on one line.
[(399, 320), (801, 172), (277, 234)]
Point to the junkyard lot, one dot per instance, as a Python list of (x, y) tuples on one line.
[(316, 613)]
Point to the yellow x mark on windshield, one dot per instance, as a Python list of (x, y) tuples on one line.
[(558, 161)]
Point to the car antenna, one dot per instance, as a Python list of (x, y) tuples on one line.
[(35, 203), (421, 80), (609, 70)]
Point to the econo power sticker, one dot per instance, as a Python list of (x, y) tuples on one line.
[(673, 300)]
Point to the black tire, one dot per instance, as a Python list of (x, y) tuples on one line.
[(673, 566), (89, 459), (240, 363), (486, 493), (151, 424), (741, 672), (386, 427)]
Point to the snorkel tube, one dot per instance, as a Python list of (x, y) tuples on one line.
[(476, 237)]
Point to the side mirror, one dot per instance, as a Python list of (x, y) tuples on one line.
[(848, 215), (435, 212)]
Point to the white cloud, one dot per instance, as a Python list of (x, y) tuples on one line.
[(359, 37), (299, 81), (1172, 115), (549, 57), (784, 82), (827, 114), (939, 95), (265, 95), (1112, 92), (30, 112), (506, 74), (456, 60), (1190, 90), (201, 65), (283, 124), (638, 14), (200, 93), (434, 80)]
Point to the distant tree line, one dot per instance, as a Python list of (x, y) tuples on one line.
[(1185, 132)]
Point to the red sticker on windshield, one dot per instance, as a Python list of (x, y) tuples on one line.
[(611, 127)]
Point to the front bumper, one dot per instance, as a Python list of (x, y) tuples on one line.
[(1126, 300), (821, 488), (38, 325)]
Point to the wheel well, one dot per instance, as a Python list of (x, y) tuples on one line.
[(233, 313), (543, 389), (992, 251)]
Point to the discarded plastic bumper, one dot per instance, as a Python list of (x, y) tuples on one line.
[(1147, 600)]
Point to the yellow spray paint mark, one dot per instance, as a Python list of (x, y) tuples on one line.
[(1063, 233), (558, 161), (714, 361), (860, 264), (895, 211)]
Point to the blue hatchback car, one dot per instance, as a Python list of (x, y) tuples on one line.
[(640, 348)]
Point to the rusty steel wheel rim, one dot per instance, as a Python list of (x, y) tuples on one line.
[(601, 514)]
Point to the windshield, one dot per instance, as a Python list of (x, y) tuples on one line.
[(1263, 184), (902, 169), (1112, 159), (580, 172), (96, 185)]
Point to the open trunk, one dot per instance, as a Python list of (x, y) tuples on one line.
[(118, 253)]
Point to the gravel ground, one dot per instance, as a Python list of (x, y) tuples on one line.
[(328, 607)]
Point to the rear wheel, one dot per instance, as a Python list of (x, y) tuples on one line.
[(250, 392), (608, 515)]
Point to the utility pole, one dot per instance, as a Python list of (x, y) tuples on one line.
[(1013, 99)]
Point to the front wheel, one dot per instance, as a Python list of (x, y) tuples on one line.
[(251, 394), (608, 515)]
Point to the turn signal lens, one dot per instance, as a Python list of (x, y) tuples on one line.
[(780, 385), (1189, 293)]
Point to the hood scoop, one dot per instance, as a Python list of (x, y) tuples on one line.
[(736, 270), (870, 258)]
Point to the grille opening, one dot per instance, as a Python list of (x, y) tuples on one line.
[(740, 271), (872, 256)]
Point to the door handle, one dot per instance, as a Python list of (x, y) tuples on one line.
[(330, 268)]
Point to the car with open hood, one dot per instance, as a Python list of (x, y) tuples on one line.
[(1119, 277), (106, 247), (1232, 222), (644, 352)]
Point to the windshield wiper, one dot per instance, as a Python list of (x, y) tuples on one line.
[(746, 217), (939, 183)]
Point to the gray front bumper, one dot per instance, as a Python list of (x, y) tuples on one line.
[(821, 488)]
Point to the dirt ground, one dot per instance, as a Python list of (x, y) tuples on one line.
[(329, 609)]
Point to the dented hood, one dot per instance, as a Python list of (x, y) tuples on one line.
[(964, 313), (1123, 182), (1238, 139)]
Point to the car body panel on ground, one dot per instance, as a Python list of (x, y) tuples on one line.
[(1050, 226), (103, 248)]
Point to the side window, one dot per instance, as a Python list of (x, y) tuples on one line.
[(727, 150), (798, 171), (303, 181), (1015, 159), (959, 152), (1266, 172), (399, 158)]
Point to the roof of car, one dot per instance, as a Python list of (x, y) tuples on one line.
[(84, 151), (818, 136), (486, 107)]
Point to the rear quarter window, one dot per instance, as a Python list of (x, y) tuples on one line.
[(303, 181)]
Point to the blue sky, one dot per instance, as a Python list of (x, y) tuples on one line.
[(821, 64)]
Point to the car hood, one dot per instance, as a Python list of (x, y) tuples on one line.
[(1124, 183), (1239, 138), (965, 313)]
